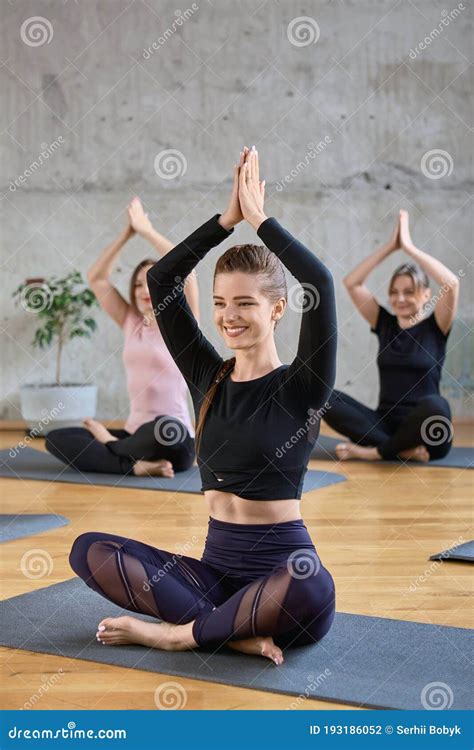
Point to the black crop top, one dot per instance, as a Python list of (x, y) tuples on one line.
[(258, 434), (409, 360)]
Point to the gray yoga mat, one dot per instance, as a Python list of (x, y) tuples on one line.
[(458, 457), (33, 464), (365, 661), (17, 526), (461, 552)]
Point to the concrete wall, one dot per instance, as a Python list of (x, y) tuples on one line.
[(105, 86)]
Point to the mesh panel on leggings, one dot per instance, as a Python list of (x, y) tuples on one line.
[(260, 610), (121, 577)]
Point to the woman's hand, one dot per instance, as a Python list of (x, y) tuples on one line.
[(405, 238), (252, 190), (138, 219), (233, 213), (394, 241)]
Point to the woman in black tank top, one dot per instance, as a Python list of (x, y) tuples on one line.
[(412, 420)]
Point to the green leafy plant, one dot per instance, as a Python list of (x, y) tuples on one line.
[(63, 307)]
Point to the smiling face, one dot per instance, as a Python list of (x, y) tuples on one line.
[(243, 315), (406, 300), (141, 293)]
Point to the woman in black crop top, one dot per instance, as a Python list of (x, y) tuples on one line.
[(260, 585), (412, 420)]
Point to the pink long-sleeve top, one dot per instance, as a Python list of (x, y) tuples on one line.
[(155, 384)]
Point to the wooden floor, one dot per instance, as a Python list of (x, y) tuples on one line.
[(374, 532)]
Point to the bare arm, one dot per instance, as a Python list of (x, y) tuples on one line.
[(142, 225), (98, 276), (447, 303), (362, 297)]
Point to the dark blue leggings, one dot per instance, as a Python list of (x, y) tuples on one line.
[(263, 581), (163, 438), (393, 430)]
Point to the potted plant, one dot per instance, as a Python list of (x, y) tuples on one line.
[(63, 309)]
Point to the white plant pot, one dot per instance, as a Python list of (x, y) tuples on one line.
[(48, 407)]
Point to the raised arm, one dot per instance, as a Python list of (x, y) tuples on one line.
[(98, 276), (193, 353), (142, 225), (362, 297), (313, 370), (447, 303)]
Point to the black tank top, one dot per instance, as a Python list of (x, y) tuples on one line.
[(409, 360)]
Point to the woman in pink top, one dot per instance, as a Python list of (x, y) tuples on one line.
[(158, 438)]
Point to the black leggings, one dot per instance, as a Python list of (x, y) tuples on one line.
[(396, 429), (262, 581), (163, 438)]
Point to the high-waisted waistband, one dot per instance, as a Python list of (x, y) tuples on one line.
[(254, 550)]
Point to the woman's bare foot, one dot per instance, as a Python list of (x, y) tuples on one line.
[(346, 451), (120, 631), (101, 433), (153, 468), (419, 453), (260, 646)]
